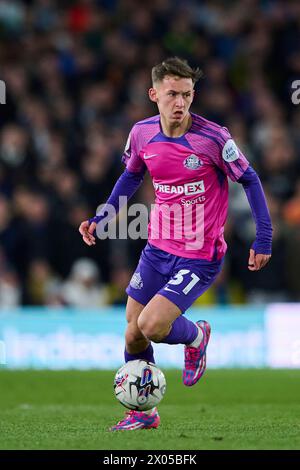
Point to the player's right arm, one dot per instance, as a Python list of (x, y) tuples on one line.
[(126, 186), (87, 230)]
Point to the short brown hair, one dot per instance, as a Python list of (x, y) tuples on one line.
[(175, 66)]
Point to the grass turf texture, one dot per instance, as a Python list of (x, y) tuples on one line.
[(227, 409)]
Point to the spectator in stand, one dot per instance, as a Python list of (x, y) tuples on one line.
[(83, 288)]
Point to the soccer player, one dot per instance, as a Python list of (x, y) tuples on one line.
[(189, 159)]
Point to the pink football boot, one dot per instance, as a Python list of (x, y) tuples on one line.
[(195, 358)]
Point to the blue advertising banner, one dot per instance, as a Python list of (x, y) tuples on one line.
[(43, 338)]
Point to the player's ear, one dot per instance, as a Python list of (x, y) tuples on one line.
[(153, 94)]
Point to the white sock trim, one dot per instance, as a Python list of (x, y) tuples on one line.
[(198, 339)]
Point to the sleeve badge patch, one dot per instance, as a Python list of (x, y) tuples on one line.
[(230, 152)]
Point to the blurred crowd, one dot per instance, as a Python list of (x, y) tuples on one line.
[(77, 74)]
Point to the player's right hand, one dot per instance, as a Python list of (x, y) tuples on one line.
[(87, 231)]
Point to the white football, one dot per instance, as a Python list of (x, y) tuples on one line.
[(139, 385)]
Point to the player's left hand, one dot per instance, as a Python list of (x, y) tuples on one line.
[(257, 261)]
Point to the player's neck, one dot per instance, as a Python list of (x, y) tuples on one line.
[(176, 130)]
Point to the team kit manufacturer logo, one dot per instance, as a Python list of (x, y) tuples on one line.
[(152, 155)]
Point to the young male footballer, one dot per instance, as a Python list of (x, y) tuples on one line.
[(189, 160)]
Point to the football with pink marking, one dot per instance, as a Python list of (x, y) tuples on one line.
[(139, 385)]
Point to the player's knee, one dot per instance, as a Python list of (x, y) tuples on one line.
[(133, 335), (150, 328)]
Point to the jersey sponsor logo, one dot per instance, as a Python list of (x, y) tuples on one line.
[(137, 281), (190, 202), (192, 162), (230, 151), (187, 189), (146, 157)]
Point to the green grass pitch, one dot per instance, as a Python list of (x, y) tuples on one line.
[(227, 409)]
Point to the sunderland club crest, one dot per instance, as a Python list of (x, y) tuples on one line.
[(136, 281), (192, 162)]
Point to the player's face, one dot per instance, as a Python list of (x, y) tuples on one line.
[(173, 96)]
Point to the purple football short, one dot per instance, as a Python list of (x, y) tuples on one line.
[(181, 280)]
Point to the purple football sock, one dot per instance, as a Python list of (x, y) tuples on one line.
[(183, 331), (147, 355)]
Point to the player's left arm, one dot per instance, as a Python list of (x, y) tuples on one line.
[(236, 166), (260, 252)]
